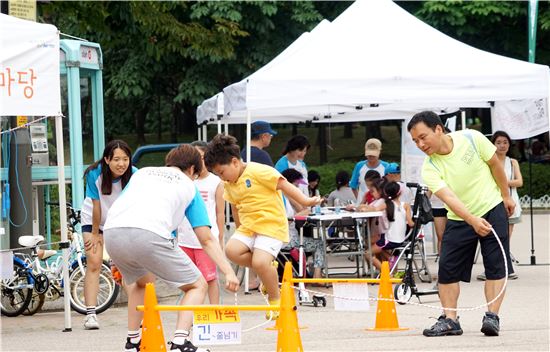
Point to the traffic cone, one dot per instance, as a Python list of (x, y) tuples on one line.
[(288, 338), (386, 315), (152, 335)]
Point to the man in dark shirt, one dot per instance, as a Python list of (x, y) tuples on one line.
[(260, 138)]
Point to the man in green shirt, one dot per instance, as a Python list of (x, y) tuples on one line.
[(462, 169)]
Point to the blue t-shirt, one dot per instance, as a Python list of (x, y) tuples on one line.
[(358, 176), (93, 192), (283, 163), (257, 155), (196, 212)]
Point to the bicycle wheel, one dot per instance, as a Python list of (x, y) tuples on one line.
[(36, 303), (108, 289), (16, 292), (421, 264)]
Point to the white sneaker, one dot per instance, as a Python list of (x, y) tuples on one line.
[(90, 322)]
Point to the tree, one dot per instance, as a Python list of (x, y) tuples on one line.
[(499, 27), (178, 53)]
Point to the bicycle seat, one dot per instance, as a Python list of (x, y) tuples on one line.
[(30, 241)]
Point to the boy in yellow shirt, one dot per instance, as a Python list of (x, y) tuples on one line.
[(254, 191)]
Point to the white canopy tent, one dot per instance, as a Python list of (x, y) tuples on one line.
[(377, 54), (30, 86)]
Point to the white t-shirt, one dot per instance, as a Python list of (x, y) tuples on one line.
[(398, 228), (157, 199), (93, 192), (207, 187)]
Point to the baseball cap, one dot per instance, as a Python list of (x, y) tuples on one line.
[(393, 168), (260, 127), (373, 147)]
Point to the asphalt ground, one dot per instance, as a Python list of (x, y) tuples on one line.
[(525, 317)]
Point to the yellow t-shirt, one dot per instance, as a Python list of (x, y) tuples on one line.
[(465, 171), (259, 203)]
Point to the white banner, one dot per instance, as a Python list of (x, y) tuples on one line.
[(29, 68), (351, 297), (521, 118)]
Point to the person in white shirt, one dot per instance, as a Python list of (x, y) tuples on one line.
[(140, 236), (398, 215)]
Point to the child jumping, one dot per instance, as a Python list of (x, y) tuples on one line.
[(254, 191)]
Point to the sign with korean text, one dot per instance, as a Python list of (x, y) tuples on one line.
[(29, 68), (22, 120), (24, 9), (217, 327)]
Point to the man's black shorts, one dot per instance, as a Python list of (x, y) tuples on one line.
[(459, 245)]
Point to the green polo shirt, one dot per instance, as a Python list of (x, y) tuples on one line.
[(465, 171)]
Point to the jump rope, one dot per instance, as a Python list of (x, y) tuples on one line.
[(398, 301)]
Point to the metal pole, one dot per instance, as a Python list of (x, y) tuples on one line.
[(63, 218), (533, 258), (532, 28), (204, 134)]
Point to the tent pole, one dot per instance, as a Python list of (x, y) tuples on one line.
[(204, 134), (248, 138), (533, 258), (63, 219), (463, 119)]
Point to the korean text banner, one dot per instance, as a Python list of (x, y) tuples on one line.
[(29, 68)]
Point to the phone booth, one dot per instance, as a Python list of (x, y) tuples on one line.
[(81, 77)]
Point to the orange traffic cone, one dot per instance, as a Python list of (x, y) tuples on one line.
[(152, 335), (288, 338), (386, 315)]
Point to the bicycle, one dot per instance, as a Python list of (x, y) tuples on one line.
[(16, 292), (50, 274)]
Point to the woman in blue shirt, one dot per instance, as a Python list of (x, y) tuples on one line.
[(293, 158), (105, 180)]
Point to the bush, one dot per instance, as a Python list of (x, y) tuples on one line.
[(328, 174), (541, 179)]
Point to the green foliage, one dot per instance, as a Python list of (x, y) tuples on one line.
[(328, 174), (541, 179), (496, 26), (178, 52)]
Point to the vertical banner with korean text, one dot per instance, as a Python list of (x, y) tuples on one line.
[(29, 68)]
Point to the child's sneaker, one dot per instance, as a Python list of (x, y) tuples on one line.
[(187, 346), (90, 322), (273, 314), (131, 347)]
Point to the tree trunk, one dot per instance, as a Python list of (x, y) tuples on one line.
[(176, 116), (140, 117), (159, 120), (372, 130), (322, 139), (348, 130)]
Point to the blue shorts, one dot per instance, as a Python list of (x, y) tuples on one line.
[(88, 228)]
